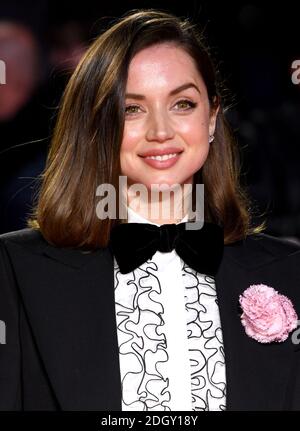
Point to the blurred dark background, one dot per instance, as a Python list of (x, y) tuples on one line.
[(255, 44)]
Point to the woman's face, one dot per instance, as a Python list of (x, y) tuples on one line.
[(167, 111)]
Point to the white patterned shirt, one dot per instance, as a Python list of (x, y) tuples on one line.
[(169, 335)]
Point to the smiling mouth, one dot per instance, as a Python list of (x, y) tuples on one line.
[(164, 161), (163, 157)]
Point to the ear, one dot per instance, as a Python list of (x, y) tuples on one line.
[(213, 119)]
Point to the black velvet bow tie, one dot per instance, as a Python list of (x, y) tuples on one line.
[(134, 243)]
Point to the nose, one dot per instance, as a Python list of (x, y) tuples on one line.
[(159, 128)]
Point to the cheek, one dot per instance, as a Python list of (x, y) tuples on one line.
[(195, 136), (127, 151), (195, 127), (131, 137), (198, 158)]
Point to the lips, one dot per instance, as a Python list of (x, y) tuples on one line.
[(161, 164), (161, 151)]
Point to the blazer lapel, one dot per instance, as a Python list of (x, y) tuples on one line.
[(257, 374), (71, 313)]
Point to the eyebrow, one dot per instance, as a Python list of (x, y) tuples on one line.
[(172, 93)]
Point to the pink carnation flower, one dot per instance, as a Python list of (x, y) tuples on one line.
[(267, 315)]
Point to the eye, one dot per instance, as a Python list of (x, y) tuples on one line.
[(187, 103), (131, 109)]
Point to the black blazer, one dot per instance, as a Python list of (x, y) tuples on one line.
[(61, 350)]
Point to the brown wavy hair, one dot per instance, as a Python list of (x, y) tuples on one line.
[(85, 147)]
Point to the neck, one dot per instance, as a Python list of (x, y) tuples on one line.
[(165, 208)]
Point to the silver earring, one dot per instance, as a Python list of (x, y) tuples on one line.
[(211, 138)]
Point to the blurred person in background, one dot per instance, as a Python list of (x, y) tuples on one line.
[(21, 119), (20, 52), (27, 107)]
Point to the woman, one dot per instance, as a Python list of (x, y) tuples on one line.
[(136, 311)]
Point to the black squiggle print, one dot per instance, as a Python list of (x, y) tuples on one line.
[(208, 378), (142, 342)]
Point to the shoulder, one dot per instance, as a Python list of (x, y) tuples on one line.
[(274, 244), (16, 246), (260, 249), (28, 244), (27, 237)]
